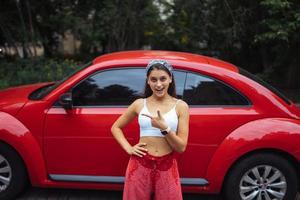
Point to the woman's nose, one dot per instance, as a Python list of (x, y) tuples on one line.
[(158, 83)]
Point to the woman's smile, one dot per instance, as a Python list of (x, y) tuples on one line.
[(160, 91)]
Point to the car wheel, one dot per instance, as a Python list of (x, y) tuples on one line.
[(13, 176), (262, 177)]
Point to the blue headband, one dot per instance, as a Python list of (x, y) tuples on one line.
[(164, 63)]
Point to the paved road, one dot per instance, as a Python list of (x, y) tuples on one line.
[(68, 194)]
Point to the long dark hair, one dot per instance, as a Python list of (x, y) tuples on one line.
[(172, 88)]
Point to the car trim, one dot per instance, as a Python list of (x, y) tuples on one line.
[(117, 179), (194, 181)]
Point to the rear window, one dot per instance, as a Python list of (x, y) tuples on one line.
[(265, 84)]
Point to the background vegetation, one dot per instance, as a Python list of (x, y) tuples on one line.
[(262, 36)]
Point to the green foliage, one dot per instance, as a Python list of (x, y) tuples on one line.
[(281, 22), (260, 35), (26, 71)]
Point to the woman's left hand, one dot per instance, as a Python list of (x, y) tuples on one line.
[(158, 121)]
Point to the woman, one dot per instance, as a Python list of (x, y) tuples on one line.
[(152, 169)]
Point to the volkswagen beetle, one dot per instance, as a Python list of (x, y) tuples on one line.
[(244, 139)]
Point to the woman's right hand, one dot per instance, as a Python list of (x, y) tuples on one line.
[(138, 150)]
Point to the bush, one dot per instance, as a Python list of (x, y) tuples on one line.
[(26, 71)]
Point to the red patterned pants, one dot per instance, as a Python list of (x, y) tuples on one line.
[(152, 177)]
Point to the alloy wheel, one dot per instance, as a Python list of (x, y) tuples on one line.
[(5, 174), (263, 182)]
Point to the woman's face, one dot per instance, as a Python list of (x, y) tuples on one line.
[(159, 81)]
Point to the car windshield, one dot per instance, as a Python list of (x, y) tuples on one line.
[(45, 90), (265, 84)]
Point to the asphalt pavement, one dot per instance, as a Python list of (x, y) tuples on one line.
[(73, 194)]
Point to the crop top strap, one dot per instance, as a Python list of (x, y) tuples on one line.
[(177, 102)]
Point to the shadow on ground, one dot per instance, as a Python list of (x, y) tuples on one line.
[(72, 194)]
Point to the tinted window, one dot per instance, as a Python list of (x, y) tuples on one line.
[(112, 87), (117, 87), (201, 90), (180, 78)]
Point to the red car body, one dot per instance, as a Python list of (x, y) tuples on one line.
[(76, 144)]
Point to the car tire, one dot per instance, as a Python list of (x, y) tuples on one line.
[(13, 175), (261, 176)]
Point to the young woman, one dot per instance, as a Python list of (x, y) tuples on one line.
[(152, 169)]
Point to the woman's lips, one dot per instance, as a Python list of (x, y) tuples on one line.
[(159, 91)]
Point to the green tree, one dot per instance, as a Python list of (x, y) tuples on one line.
[(280, 32)]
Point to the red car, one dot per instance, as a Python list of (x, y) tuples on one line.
[(244, 138)]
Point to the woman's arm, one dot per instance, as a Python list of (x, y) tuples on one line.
[(179, 141), (121, 122)]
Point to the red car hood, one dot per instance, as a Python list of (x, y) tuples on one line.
[(12, 99)]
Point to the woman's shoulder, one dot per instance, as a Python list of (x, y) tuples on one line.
[(137, 105), (181, 103), (139, 101), (181, 106)]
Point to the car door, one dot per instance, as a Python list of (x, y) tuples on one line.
[(79, 141), (216, 109)]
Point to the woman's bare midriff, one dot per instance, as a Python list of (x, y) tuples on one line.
[(156, 146)]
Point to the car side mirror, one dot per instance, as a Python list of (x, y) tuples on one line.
[(66, 101)]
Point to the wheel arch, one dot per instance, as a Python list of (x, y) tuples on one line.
[(278, 135), (15, 135)]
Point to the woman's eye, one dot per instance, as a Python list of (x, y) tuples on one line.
[(163, 79), (153, 79)]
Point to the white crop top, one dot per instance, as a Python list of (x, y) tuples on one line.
[(146, 129)]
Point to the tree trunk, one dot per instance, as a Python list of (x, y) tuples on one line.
[(25, 39), (33, 39)]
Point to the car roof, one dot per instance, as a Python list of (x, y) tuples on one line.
[(174, 56)]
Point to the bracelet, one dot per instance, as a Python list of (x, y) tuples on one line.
[(166, 131)]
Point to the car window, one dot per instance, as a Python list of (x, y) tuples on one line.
[(180, 78), (202, 90), (110, 87), (117, 87)]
